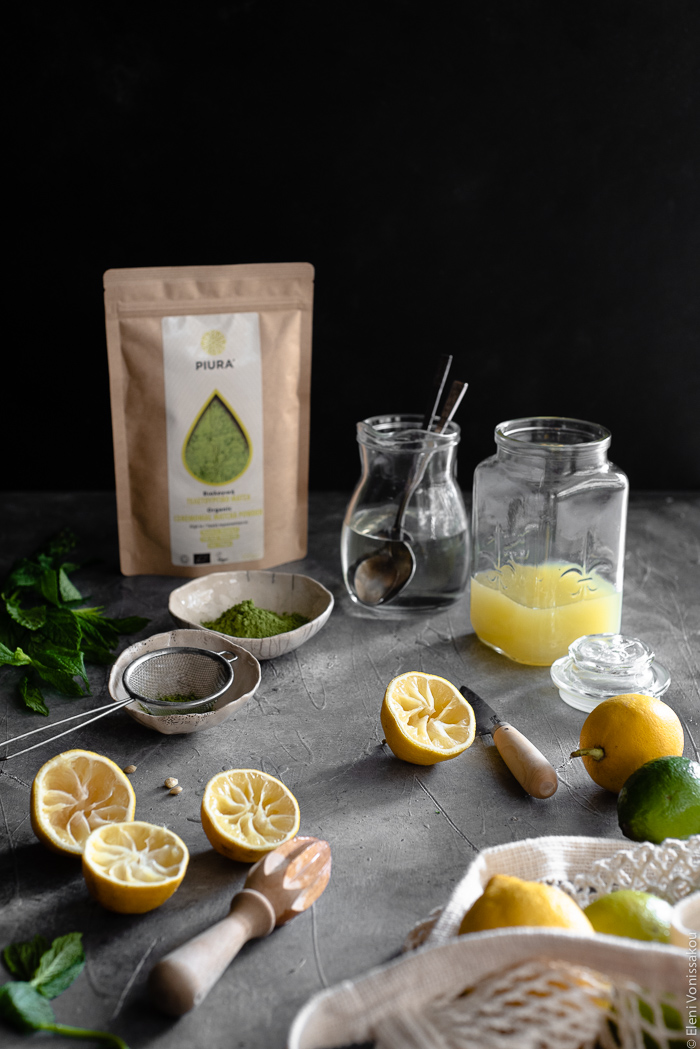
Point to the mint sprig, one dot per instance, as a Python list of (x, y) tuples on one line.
[(45, 971), (43, 630)]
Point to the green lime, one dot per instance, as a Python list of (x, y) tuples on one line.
[(661, 800), (627, 912)]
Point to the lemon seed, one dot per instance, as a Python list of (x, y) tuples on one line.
[(129, 769), (171, 782), (176, 790)]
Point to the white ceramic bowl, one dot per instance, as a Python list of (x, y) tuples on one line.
[(205, 598), (246, 678)]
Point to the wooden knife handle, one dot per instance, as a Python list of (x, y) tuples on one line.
[(183, 978), (531, 768)]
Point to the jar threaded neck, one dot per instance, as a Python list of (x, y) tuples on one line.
[(551, 433)]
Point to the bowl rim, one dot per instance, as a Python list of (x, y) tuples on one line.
[(194, 584)]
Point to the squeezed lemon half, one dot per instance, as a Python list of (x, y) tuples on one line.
[(426, 719), (75, 792), (246, 813), (133, 867)]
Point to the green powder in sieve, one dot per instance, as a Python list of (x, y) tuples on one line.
[(178, 697)]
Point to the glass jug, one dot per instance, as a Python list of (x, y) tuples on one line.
[(549, 514), (407, 494)]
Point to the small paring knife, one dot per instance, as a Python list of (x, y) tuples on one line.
[(531, 768)]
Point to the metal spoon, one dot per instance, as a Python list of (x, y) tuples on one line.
[(380, 577)]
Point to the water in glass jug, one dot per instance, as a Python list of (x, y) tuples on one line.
[(407, 513)]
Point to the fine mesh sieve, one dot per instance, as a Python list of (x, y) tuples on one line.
[(195, 673), (176, 671)]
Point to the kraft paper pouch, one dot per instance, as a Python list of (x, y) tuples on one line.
[(210, 370)]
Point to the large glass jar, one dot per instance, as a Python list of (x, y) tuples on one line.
[(548, 529), (407, 502)]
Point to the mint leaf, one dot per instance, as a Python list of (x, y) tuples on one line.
[(26, 574), (128, 625), (24, 1008), (49, 971), (54, 637), (62, 680), (53, 657), (29, 618), (96, 629), (98, 655), (63, 628), (60, 965), (28, 570), (22, 959), (48, 585), (32, 697), (70, 566), (18, 658), (101, 634), (11, 633), (66, 589)]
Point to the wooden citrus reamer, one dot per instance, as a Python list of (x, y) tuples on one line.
[(279, 886)]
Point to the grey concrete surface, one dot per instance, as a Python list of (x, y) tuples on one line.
[(401, 835)]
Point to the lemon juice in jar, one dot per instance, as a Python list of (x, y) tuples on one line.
[(533, 612), (549, 513)]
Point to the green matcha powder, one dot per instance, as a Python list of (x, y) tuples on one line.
[(247, 620), (179, 698), (217, 450)]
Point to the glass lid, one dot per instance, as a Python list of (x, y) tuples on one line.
[(602, 665)]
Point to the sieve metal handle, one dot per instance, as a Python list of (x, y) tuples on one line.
[(98, 712), (106, 709)]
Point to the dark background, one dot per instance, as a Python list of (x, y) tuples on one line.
[(513, 182)]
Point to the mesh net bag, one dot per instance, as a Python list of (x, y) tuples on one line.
[(541, 1004), (527, 988)]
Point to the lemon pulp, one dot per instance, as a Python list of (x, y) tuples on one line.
[(426, 719), (74, 793), (133, 867), (246, 813)]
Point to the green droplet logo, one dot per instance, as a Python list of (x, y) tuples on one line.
[(217, 449)]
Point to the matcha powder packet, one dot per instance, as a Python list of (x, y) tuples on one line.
[(210, 374)]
